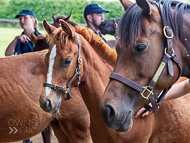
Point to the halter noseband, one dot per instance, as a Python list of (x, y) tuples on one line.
[(66, 89), (167, 60)]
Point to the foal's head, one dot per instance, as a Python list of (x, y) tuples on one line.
[(62, 62)]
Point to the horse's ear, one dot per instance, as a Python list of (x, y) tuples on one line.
[(67, 18), (33, 38), (144, 5), (48, 27), (66, 28), (125, 3), (53, 17)]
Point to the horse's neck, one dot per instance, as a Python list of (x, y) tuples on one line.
[(102, 49), (95, 78)]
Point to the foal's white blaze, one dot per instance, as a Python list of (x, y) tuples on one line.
[(50, 68)]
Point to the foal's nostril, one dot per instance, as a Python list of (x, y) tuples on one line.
[(48, 104)]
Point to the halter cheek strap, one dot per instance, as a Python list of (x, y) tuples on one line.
[(66, 89)]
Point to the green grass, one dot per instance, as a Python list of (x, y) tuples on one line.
[(7, 35)]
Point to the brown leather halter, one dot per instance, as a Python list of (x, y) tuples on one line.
[(65, 89), (167, 60)]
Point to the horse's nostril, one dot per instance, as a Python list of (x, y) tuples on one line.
[(111, 112), (48, 104)]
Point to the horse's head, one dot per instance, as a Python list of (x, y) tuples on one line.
[(109, 26), (39, 42), (64, 63), (146, 64), (56, 19)]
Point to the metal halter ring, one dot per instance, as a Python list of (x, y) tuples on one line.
[(150, 92), (80, 60), (115, 25), (166, 52), (67, 89)]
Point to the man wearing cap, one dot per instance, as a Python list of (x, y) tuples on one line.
[(94, 16)]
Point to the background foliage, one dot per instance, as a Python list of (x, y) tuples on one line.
[(43, 9)]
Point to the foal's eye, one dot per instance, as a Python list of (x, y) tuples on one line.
[(140, 48), (67, 61)]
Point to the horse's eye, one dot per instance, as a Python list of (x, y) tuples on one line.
[(67, 61), (140, 48)]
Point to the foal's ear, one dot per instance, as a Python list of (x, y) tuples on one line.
[(48, 27), (67, 18), (66, 28), (53, 17), (33, 38), (145, 6), (126, 4)]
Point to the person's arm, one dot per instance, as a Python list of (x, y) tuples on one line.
[(11, 48), (176, 91)]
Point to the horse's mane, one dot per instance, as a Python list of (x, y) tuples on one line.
[(130, 25), (98, 44), (103, 50)]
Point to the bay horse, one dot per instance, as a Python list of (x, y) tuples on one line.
[(109, 27), (153, 51), (73, 61), (56, 19)]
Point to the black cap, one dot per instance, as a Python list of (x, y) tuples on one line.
[(25, 12), (94, 8)]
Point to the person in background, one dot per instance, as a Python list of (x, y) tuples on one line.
[(176, 91), (94, 16), (22, 43)]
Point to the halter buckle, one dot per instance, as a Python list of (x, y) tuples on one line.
[(146, 88), (165, 33)]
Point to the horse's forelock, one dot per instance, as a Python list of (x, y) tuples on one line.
[(130, 25)]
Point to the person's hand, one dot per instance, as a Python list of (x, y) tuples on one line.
[(142, 111), (23, 38)]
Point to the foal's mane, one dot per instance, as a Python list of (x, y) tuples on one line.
[(131, 25), (98, 44)]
